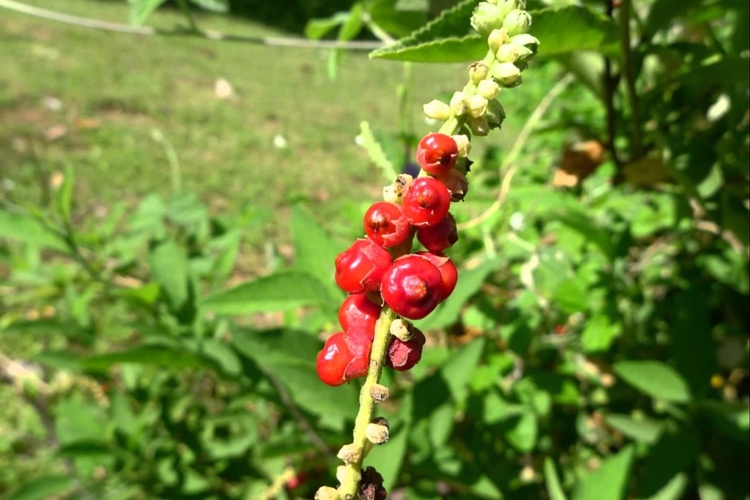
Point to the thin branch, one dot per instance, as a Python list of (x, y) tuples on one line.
[(610, 84), (208, 34), (508, 167), (629, 73)]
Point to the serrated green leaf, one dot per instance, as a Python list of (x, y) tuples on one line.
[(444, 39), (42, 488), (574, 28), (375, 152), (27, 229), (554, 488), (655, 379), (277, 292), (645, 430), (609, 481)]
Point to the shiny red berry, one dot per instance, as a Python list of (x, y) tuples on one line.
[(437, 153), (386, 225), (426, 202), (440, 236), (334, 359), (412, 287), (457, 184), (360, 267), (447, 269), (402, 355), (360, 346), (359, 313)]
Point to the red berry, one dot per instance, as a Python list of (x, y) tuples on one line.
[(334, 359), (426, 201), (447, 269), (402, 355), (412, 287), (359, 313), (386, 225), (360, 268), (297, 480), (360, 346), (457, 184), (440, 236), (437, 153)]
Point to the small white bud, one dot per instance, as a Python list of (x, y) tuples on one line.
[(458, 103), (506, 74), (488, 89), (517, 21), (463, 143), (349, 454), (437, 110), (477, 105), (497, 39), (478, 71), (401, 330), (378, 431)]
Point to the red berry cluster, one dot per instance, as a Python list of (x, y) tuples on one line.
[(381, 270)]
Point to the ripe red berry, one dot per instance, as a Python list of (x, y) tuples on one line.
[(440, 236), (386, 225), (333, 360), (457, 184), (412, 287), (359, 313), (437, 153), (360, 267), (426, 202), (447, 269), (402, 355), (360, 346)]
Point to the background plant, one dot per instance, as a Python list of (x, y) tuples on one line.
[(596, 347)]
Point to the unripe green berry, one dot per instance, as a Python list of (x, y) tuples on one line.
[(497, 39), (478, 71), (517, 22), (437, 110), (458, 103), (486, 17), (488, 89), (513, 53), (463, 143), (506, 6), (477, 105), (495, 113), (526, 40), (506, 74), (478, 126)]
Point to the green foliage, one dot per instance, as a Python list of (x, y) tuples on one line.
[(594, 349)]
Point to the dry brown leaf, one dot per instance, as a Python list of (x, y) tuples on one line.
[(578, 162)]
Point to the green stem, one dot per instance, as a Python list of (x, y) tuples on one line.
[(629, 72), (350, 484), (189, 15)]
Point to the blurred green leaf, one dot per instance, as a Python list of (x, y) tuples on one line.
[(314, 250), (609, 481), (395, 19), (554, 488), (672, 454), (42, 488), (316, 29), (169, 265), (574, 28), (353, 24), (594, 234), (645, 430), (655, 379), (140, 10), (27, 229), (662, 14), (161, 356), (457, 371), (277, 292), (673, 490), (691, 340), (375, 152), (85, 447), (522, 431), (599, 333), (441, 40), (388, 460), (64, 195)]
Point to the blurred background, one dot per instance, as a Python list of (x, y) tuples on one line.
[(177, 177)]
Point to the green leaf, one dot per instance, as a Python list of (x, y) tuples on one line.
[(599, 333), (161, 356), (609, 481), (314, 250), (594, 234), (85, 448), (444, 39), (673, 490), (42, 488), (554, 488), (457, 371), (645, 430), (64, 196), (169, 265), (655, 379), (574, 28), (353, 24), (219, 6), (672, 454), (396, 19), (523, 433), (47, 327), (375, 151), (27, 229), (140, 10), (691, 340), (277, 292), (663, 12), (316, 29), (469, 283)]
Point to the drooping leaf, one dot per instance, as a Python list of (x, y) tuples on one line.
[(375, 151), (444, 39), (554, 488), (655, 379), (609, 481), (42, 488), (353, 24), (573, 28), (26, 229), (523, 431), (318, 28), (277, 292)]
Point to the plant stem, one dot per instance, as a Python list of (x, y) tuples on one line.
[(189, 15), (350, 484), (629, 72), (610, 84)]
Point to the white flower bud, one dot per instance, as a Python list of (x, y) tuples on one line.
[(458, 103), (497, 39), (477, 105), (437, 110), (505, 6), (517, 22), (512, 53), (401, 330), (506, 74), (378, 431), (463, 143), (488, 89), (478, 71), (526, 40), (486, 17), (327, 493)]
